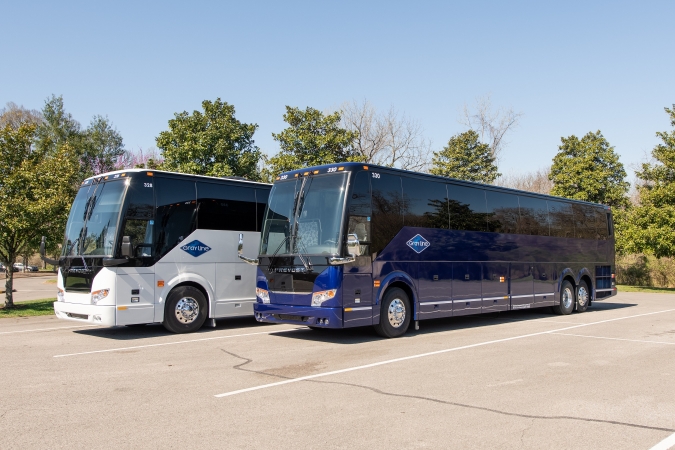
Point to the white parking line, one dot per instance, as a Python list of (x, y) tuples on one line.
[(665, 444), (48, 329), (118, 349), (616, 339), (422, 355)]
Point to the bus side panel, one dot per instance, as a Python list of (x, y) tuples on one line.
[(136, 294), (545, 284), (357, 295), (235, 283), (435, 289), (466, 288), (495, 286)]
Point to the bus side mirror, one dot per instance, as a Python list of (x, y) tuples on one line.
[(127, 248), (353, 245)]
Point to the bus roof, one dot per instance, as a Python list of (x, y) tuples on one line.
[(352, 166), (188, 175)]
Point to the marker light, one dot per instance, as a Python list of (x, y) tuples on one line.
[(97, 296), (322, 296), (263, 295)]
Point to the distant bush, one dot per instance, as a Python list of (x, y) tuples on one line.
[(645, 270)]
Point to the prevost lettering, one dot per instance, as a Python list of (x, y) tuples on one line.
[(290, 269)]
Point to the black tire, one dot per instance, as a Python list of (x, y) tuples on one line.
[(390, 327), (583, 297), (567, 299), (182, 301)]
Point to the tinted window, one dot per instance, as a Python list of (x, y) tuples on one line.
[(503, 214), (561, 219), (359, 209), (175, 214), (533, 216), (425, 204), (261, 196), (138, 221), (602, 228), (387, 205), (467, 208), (584, 222), (226, 207)]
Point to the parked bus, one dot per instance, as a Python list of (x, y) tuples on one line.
[(146, 247), (348, 245)]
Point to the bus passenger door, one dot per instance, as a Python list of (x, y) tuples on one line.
[(522, 289), (495, 287), (545, 283), (466, 288)]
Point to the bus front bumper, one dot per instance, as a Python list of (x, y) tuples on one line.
[(299, 315), (92, 314)]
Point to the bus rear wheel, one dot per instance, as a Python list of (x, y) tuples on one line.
[(185, 310), (395, 314), (567, 299), (583, 297)]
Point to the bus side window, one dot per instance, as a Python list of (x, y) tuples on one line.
[(561, 219), (387, 201), (467, 208), (261, 196), (360, 211), (175, 215), (503, 212), (584, 221), (138, 220), (533, 216), (225, 207), (425, 204)]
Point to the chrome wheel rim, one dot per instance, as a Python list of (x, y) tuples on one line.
[(396, 313), (567, 298), (187, 310), (582, 296)]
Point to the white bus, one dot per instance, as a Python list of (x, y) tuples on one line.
[(146, 247)]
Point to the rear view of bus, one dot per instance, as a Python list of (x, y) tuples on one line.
[(352, 245), (156, 247)]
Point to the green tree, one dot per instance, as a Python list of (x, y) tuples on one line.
[(649, 227), (589, 169), (465, 158), (212, 142), (311, 139), (102, 147), (36, 189)]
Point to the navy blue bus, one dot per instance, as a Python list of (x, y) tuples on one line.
[(349, 245)]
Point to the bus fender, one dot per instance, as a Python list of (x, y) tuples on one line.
[(394, 277), (180, 279), (567, 272), (585, 272)]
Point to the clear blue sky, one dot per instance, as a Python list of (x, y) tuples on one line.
[(574, 67)]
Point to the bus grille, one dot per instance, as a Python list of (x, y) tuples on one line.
[(291, 317)]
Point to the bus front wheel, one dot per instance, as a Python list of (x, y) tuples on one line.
[(567, 299), (185, 310), (395, 314)]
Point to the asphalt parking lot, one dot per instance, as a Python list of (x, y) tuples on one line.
[(523, 379)]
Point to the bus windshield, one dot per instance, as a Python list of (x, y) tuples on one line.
[(304, 216), (92, 223)]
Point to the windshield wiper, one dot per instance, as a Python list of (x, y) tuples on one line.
[(298, 210), (273, 258)]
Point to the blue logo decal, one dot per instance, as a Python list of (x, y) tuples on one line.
[(418, 243), (195, 248)]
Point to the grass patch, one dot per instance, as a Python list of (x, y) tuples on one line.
[(50, 281), (653, 290), (33, 308)]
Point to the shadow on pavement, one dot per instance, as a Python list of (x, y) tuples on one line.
[(347, 336)]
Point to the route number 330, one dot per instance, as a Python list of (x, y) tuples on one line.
[(376, 175)]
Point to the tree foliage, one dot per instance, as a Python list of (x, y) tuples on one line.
[(386, 138), (37, 186), (649, 227), (102, 147), (465, 158), (589, 169), (311, 139), (210, 142)]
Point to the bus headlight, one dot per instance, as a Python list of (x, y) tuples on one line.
[(60, 295), (263, 295), (97, 296), (322, 296)]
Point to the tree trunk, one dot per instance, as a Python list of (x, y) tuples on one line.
[(9, 286)]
